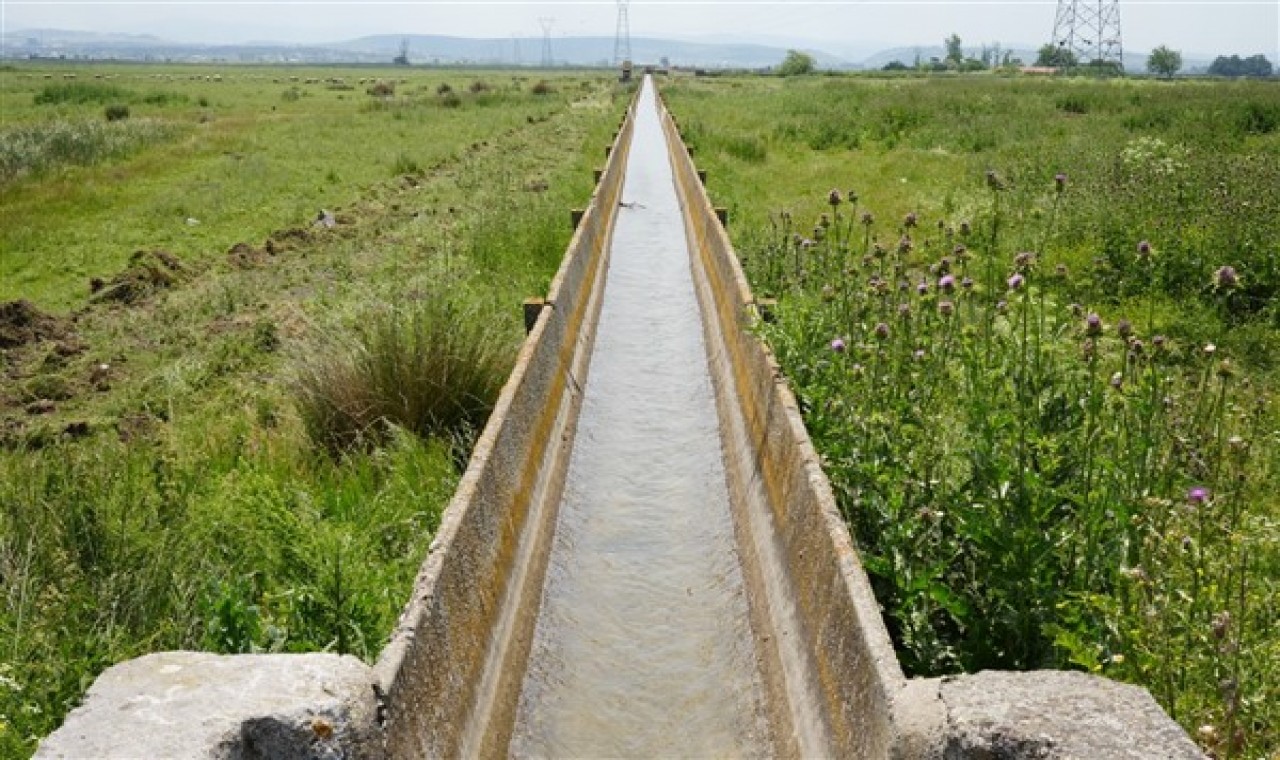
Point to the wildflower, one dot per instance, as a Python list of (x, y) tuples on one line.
[(965, 227), (851, 196), (1144, 250), (1209, 349), (828, 293), (834, 198), (910, 220), (878, 250), (1187, 543), (1016, 281), (1136, 348), (1077, 310), (1023, 260), (856, 369), (882, 330), (1117, 380), (1088, 348), (1060, 181), (819, 232), (1093, 324), (944, 265), (1198, 495), (838, 345), (1221, 624), (806, 243), (824, 221), (945, 308), (1061, 270), (867, 219), (922, 288), (1226, 278), (967, 283), (1159, 342), (960, 252), (947, 284), (905, 245), (1225, 369), (995, 181), (1002, 306), (904, 310), (1125, 328)]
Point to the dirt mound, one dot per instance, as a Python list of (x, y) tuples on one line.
[(285, 240), (245, 256), (148, 272), (22, 323)]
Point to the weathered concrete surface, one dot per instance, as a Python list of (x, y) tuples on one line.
[(199, 705), (1055, 715)]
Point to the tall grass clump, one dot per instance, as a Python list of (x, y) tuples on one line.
[(433, 366), (33, 149), (1035, 482), (79, 93)]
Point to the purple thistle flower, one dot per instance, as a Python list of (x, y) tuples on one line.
[(960, 251), (882, 330), (1226, 278), (1060, 181), (838, 345), (904, 310), (1144, 249), (910, 220), (1002, 306), (922, 288), (1158, 341), (852, 196), (1016, 281), (867, 219), (834, 198), (945, 308), (967, 283), (965, 227), (1124, 328), (947, 284), (1093, 324), (1023, 260), (905, 245), (1198, 495), (1061, 270), (944, 264)]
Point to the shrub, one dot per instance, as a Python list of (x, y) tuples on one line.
[(433, 367), (542, 88), (117, 112)]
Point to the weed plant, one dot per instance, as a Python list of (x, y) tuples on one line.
[(32, 150)]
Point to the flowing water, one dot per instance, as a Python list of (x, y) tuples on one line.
[(643, 645)]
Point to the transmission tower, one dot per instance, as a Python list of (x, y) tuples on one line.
[(546, 23), (622, 38), (1090, 31)]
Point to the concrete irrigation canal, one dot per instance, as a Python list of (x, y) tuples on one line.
[(643, 559)]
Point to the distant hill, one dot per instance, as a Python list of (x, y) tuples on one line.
[(423, 49)]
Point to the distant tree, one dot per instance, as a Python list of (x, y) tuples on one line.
[(955, 53), (1056, 57), (895, 66), (796, 64), (1253, 66), (1164, 62)]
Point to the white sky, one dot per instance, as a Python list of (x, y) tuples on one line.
[(1208, 27)]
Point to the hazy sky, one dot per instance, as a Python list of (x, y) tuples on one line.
[(1193, 26)]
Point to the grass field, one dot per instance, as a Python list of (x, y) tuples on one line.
[(1034, 329), (197, 295)]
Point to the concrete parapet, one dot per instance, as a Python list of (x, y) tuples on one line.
[(200, 705)]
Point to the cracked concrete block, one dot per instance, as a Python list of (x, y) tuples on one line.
[(1056, 715), (241, 707)]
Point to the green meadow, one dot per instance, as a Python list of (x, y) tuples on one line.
[(206, 273)]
